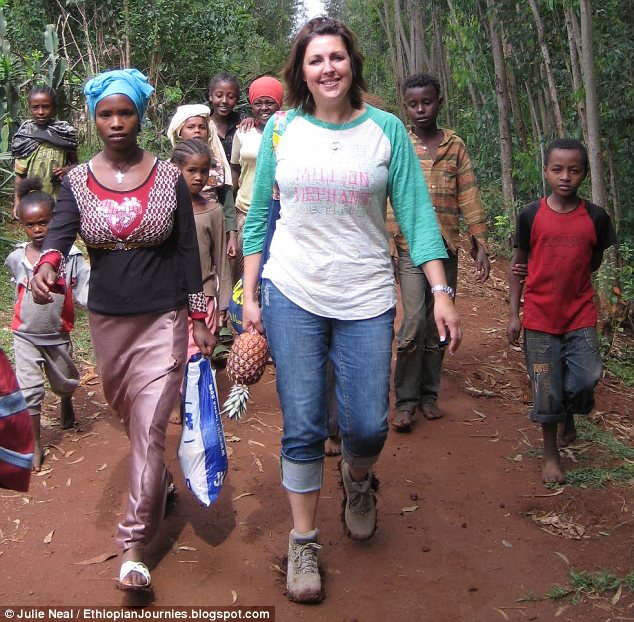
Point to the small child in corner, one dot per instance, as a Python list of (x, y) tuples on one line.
[(562, 239), (41, 333)]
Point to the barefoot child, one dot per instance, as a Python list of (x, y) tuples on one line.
[(41, 334), (44, 146), (454, 193), (562, 237), (194, 160)]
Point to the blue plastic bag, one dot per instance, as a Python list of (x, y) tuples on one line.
[(202, 451)]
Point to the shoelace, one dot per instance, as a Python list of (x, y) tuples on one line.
[(361, 501), (305, 557)]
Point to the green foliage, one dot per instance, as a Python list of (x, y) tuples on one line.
[(584, 583)]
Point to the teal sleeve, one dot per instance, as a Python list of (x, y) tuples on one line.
[(255, 225), (410, 199)]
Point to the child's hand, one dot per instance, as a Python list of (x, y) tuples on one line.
[(42, 284), (246, 124), (232, 244), (513, 331), (520, 270), (483, 266), (223, 316), (204, 338)]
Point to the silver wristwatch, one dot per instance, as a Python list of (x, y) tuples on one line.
[(446, 289)]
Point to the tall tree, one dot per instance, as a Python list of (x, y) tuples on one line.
[(501, 92), (599, 194)]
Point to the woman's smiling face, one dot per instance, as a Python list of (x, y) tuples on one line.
[(327, 70)]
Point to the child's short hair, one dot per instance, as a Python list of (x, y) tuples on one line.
[(568, 143), (30, 193), (187, 148), (43, 88), (419, 80), (224, 76)]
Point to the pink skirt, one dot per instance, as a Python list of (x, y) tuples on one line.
[(140, 359)]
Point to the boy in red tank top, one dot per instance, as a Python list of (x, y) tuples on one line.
[(562, 238)]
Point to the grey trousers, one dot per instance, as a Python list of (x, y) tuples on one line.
[(418, 357), (32, 362)]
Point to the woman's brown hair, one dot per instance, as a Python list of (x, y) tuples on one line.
[(298, 94)]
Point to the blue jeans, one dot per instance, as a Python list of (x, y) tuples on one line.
[(564, 369), (360, 352), (418, 357)]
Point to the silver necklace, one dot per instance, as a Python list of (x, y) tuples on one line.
[(335, 144), (120, 174)]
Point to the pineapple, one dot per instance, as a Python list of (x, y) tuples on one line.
[(245, 367)]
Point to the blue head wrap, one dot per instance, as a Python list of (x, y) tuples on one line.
[(130, 82)]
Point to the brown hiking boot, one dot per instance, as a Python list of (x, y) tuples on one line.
[(359, 505), (303, 582)]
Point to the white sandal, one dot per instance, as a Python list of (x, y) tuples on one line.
[(142, 569)]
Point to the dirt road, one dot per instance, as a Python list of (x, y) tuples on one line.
[(466, 529)]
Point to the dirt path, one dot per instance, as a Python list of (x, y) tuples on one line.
[(457, 537)]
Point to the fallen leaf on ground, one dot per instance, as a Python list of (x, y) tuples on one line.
[(49, 537), (234, 596), (232, 438), (76, 461), (507, 544), (252, 442), (258, 464), (502, 613), (410, 508), (68, 483), (98, 559), (244, 494), (559, 525), (68, 454), (617, 596), (184, 547), (563, 557), (42, 473), (102, 467)]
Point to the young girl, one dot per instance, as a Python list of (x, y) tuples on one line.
[(193, 122), (41, 334), (265, 96), (224, 91), (43, 147), (194, 160)]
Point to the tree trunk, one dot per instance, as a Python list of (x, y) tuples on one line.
[(516, 109), (441, 64), (599, 194), (501, 90), (470, 86), (552, 88), (616, 207), (575, 69), (537, 132)]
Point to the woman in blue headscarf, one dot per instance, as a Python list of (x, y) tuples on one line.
[(134, 213)]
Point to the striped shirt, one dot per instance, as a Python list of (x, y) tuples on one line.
[(453, 189)]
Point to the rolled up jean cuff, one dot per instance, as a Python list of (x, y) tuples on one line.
[(302, 477), (357, 462)]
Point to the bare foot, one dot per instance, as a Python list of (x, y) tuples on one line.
[(67, 414), (402, 421), (333, 446), (175, 416), (552, 472), (431, 411), (38, 455), (567, 431)]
